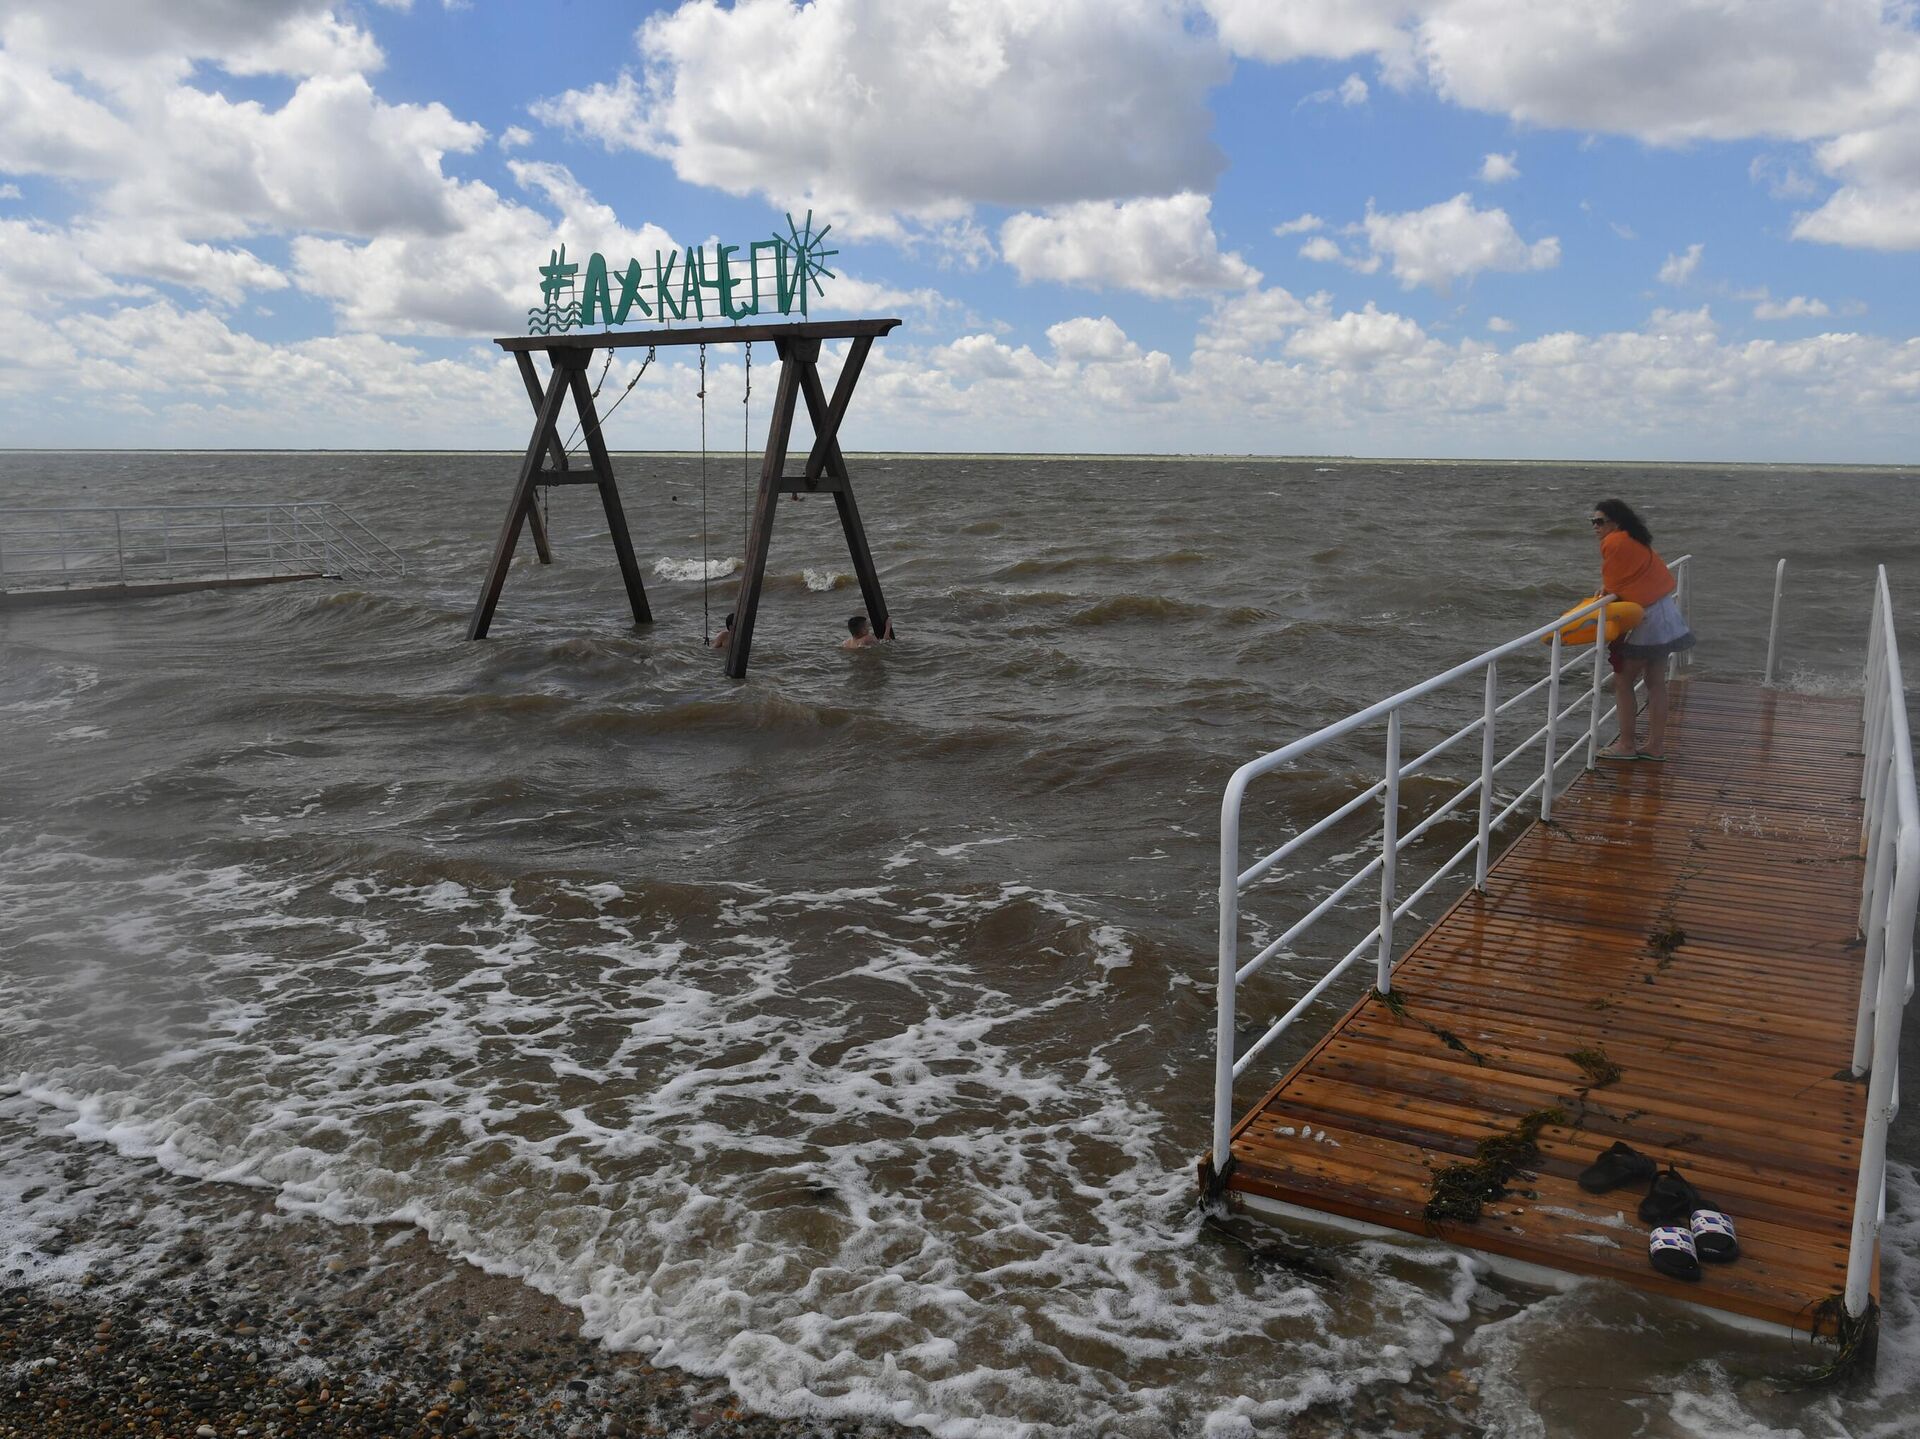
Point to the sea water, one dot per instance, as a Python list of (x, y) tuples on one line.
[(846, 1031)]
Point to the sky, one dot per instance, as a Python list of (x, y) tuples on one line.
[(1630, 229)]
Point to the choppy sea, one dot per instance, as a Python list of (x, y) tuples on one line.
[(844, 1031)]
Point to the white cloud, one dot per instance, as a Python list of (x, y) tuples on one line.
[(1162, 247), (114, 41), (1783, 179), (1097, 342), (1359, 339), (1497, 169), (1797, 308), (1351, 91), (930, 110), (227, 274), (515, 137), (1499, 325), (334, 157), (1247, 324), (40, 269), (1304, 225), (1329, 252), (1453, 241), (1843, 75), (1268, 373), (1315, 29), (1878, 203), (9, 192), (1668, 71), (476, 278), (1679, 269)]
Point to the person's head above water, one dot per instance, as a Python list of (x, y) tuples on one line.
[(857, 625), (729, 621), (1620, 515)]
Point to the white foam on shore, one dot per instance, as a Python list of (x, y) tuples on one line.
[(864, 1182)]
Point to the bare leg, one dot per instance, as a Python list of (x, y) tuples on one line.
[(1656, 671), (1623, 702)]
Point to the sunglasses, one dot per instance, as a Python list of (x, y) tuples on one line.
[(1596, 523)]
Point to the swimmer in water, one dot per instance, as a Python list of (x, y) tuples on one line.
[(725, 637), (860, 633)]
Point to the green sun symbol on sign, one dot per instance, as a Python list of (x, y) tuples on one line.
[(810, 256)]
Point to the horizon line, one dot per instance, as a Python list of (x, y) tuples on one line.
[(1188, 457)]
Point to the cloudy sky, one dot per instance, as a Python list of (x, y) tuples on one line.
[(1638, 229)]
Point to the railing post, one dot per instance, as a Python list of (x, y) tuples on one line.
[(1389, 855), (1229, 977), (1489, 713), (63, 546), (1883, 1097), (226, 553), (166, 543), (1599, 682), (1873, 927), (1773, 625), (119, 549), (1553, 712), (1683, 599)]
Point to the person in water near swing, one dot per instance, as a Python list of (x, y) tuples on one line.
[(725, 637), (860, 633), (1630, 569)]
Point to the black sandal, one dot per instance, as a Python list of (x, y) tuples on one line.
[(1614, 1167), (1670, 1199)]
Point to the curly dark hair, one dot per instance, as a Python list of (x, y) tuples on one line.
[(1621, 513)]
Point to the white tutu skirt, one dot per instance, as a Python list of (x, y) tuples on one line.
[(1662, 631)]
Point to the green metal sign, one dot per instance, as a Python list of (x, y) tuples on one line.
[(732, 281)]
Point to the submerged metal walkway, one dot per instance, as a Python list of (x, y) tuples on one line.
[(1697, 923), (135, 550)]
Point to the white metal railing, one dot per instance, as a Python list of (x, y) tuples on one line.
[(1773, 625), (68, 548), (1890, 833), (1543, 740)]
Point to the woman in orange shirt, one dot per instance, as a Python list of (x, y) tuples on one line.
[(1630, 569)]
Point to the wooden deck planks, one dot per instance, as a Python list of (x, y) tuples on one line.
[(1732, 1047)]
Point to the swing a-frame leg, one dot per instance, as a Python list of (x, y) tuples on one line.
[(826, 473), (568, 376)]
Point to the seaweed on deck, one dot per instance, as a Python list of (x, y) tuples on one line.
[(1396, 1004), (1460, 1191), (1599, 1070)]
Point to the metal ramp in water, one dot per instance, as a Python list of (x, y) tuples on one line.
[(132, 550), (1731, 931)]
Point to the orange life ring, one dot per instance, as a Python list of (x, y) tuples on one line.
[(1622, 616)]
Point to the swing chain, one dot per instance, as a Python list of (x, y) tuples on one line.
[(746, 440), (570, 447), (706, 617)]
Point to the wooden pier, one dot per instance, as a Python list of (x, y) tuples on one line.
[(1697, 922)]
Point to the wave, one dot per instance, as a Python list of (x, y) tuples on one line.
[(669, 568), (1066, 564), (760, 712), (390, 613), (1122, 609)]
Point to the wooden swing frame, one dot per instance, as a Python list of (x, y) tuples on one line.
[(825, 473)]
